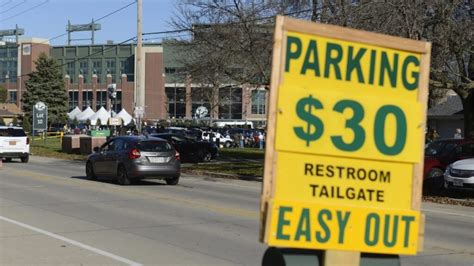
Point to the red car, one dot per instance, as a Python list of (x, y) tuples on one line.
[(441, 153)]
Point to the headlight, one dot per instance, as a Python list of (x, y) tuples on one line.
[(448, 169)]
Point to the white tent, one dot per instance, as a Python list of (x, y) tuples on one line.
[(126, 117), (102, 114), (73, 114), (84, 115)]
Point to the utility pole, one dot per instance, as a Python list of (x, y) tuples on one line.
[(139, 81)]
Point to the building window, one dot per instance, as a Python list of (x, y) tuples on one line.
[(71, 70), (73, 99), (101, 100), (110, 64), (97, 69), (230, 103), (26, 49), (86, 99), (176, 102), (201, 97), (259, 102), (170, 70), (84, 70), (12, 97)]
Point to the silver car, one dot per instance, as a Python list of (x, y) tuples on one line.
[(460, 175), (131, 158)]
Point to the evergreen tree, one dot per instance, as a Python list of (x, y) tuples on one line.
[(46, 84), (26, 124), (3, 94)]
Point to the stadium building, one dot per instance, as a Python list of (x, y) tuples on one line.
[(89, 70)]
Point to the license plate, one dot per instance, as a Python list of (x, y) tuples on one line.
[(157, 159), (12, 143), (458, 183)]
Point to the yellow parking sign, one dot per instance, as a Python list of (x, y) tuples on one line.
[(343, 164)]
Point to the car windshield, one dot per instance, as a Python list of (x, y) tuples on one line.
[(154, 146), (439, 148), (12, 132)]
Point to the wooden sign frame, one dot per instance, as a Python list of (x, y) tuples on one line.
[(285, 24)]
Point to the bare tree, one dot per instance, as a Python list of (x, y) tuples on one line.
[(447, 24), (236, 34)]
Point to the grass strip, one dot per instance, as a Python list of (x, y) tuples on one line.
[(250, 169)]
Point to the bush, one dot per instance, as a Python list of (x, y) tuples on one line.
[(26, 124)]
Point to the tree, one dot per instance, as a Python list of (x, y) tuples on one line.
[(234, 37), (26, 124), (3, 94), (236, 34), (447, 24), (46, 84)]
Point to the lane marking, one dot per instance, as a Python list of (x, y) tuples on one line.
[(448, 213), (72, 242)]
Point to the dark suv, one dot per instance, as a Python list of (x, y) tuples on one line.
[(130, 158)]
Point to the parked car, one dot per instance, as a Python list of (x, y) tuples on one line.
[(14, 144), (131, 158), (191, 150), (439, 154), (223, 140), (460, 175)]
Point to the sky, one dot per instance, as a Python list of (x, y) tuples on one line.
[(48, 18)]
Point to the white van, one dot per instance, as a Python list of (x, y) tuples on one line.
[(244, 124), (14, 144)]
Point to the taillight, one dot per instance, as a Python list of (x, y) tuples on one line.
[(177, 156), (134, 154), (27, 140)]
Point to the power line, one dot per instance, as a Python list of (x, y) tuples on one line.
[(19, 4), (95, 20), (163, 37), (165, 32), (27, 10), (6, 3), (229, 23)]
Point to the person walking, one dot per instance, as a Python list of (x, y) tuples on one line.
[(241, 137), (458, 133), (261, 139)]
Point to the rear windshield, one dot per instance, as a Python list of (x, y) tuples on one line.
[(12, 132), (154, 146)]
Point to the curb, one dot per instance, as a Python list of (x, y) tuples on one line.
[(225, 176)]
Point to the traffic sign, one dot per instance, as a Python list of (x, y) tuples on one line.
[(40, 116), (343, 165)]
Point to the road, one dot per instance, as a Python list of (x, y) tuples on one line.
[(49, 214)]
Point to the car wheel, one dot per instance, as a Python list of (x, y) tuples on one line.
[(25, 159), (228, 144), (122, 176), (90, 171), (436, 176), (172, 181)]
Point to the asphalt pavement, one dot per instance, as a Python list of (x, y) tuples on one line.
[(50, 214)]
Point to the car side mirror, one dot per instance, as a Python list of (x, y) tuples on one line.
[(96, 149)]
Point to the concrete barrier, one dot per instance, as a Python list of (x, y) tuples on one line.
[(88, 143), (71, 144)]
